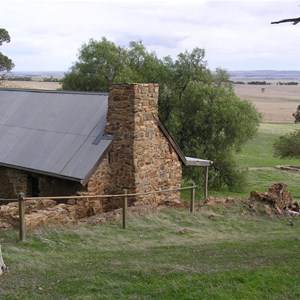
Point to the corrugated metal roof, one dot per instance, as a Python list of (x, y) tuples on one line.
[(191, 161), (53, 132)]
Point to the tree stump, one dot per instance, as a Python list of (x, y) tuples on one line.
[(3, 267)]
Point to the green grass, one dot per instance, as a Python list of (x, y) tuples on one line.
[(259, 151), (223, 255), (257, 157), (228, 252)]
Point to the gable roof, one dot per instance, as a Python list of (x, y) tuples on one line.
[(59, 134), (187, 161), (175, 146)]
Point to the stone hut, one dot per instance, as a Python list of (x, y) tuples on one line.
[(55, 143)]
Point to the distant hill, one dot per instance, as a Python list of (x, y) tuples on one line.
[(265, 75)]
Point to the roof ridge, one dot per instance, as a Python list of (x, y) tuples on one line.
[(53, 91)]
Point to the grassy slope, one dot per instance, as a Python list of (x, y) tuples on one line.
[(258, 157), (220, 257), (227, 253)]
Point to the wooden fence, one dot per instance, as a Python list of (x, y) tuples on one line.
[(22, 198)]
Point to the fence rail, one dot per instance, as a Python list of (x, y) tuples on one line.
[(22, 198), (107, 196)]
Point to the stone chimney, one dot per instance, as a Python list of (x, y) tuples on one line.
[(141, 158)]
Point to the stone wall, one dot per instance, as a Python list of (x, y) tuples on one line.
[(13, 181), (141, 158), (101, 183), (51, 186)]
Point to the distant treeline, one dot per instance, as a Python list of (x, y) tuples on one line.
[(29, 78), (51, 79), (265, 83), (18, 78), (259, 83), (287, 83)]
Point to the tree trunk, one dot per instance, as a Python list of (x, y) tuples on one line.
[(3, 267)]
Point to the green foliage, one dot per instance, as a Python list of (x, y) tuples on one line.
[(6, 63), (199, 107), (211, 122), (98, 65), (257, 156), (296, 115), (101, 63), (288, 146)]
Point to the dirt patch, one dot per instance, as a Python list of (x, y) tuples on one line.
[(288, 168)]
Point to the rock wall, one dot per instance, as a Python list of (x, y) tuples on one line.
[(13, 181), (141, 159), (101, 183), (50, 186)]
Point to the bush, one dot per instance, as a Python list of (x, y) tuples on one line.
[(288, 146)]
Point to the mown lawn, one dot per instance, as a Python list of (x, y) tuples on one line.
[(225, 252)]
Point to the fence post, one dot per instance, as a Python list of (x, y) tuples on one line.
[(206, 183), (193, 193), (22, 216), (125, 202)]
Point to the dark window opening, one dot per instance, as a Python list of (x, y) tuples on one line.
[(33, 186)]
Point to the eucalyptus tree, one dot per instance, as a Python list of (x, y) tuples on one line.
[(98, 65), (198, 106), (211, 122), (6, 63), (101, 63)]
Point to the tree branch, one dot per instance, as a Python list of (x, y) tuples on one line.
[(295, 21)]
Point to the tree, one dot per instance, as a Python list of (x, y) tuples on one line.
[(101, 63), (199, 107), (6, 63), (288, 146), (97, 67), (296, 115), (210, 121)]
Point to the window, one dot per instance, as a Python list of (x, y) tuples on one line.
[(33, 186)]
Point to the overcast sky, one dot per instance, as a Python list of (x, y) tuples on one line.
[(236, 35)]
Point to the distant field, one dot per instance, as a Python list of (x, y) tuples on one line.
[(277, 103), (40, 85)]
